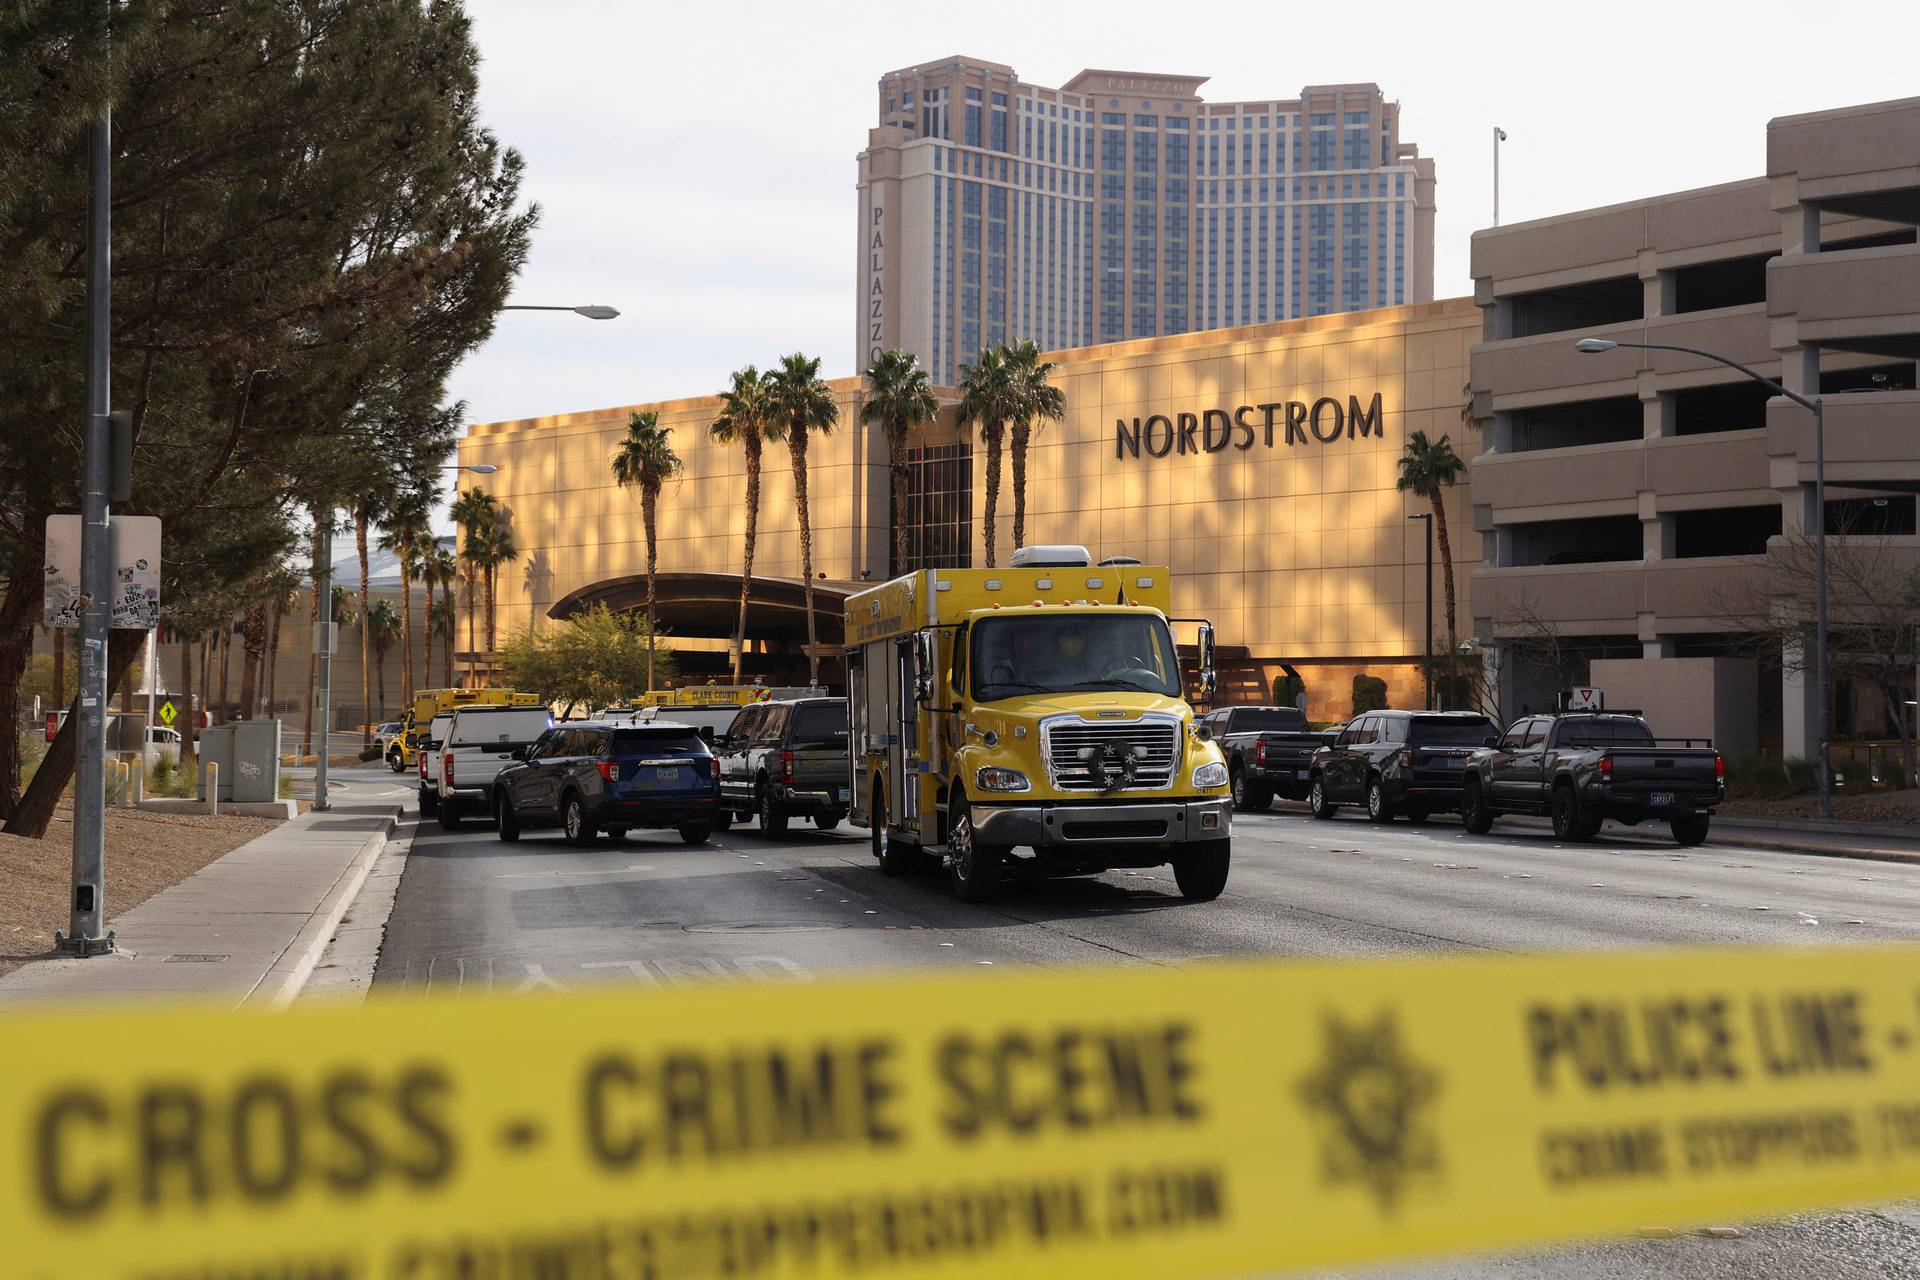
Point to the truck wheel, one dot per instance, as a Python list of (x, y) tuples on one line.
[(1249, 797), (1475, 813), (722, 819), (1690, 831), (396, 762), (506, 823), (1415, 815), (773, 821), (1569, 823), (429, 803), (894, 857), (1317, 802), (695, 832), (1201, 869), (829, 820), (449, 811), (575, 822), (974, 868), (1378, 808), (616, 833)]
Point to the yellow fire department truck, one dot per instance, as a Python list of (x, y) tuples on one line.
[(427, 703), (1038, 707)]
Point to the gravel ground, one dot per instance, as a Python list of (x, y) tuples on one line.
[(1878, 806), (146, 852)]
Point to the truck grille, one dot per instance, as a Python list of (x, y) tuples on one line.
[(1154, 742)]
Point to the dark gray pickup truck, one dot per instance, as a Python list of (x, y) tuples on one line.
[(1583, 768), (1268, 750), (782, 760)]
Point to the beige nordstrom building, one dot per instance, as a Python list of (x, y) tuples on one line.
[(1258, 462)]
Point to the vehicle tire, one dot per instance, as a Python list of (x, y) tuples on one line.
[(574, 820), (449, 811), (773, 821), (506, 823), (694, 832), (722, 819), (1201, 869), (1317, 802), (1569, 823), (396, 762), (429, 803), (829, 820), (1415, 815), (1249, 797), (616, 833), (975, 870), (893, 857), (1475, 813), (1379, 809), (1691, 830)]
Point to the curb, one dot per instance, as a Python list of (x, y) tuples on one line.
[(284, 981), (1785, 845)]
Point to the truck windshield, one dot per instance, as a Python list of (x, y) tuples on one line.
[(1040, 654)]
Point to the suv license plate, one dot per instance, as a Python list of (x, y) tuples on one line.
[(1660, 799), (666, 775), (842, 793)]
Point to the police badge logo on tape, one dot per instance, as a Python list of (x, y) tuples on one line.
[(1371, 1105)]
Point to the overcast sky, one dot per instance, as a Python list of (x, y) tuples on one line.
[(694, 162)]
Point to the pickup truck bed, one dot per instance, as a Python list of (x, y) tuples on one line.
[(1268, 750)]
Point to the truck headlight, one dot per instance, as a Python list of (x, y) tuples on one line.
[(993, 778), (1210, 774)]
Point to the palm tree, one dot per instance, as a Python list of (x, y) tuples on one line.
[(370, 508), (442, 621), (439, 568), (383, 628), (746, 420), (805, 405), (1426, 469), (899, 400), (988, 396), (497, 547), (646, 459), (409, 525), (1039, 401), (473, 511)]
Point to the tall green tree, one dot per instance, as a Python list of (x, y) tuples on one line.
[(440, 570), (474, 513), (407, 529), (646, 461), (497, 548), (1037, 400), (1427, 469), (899, 401), (746, 419), (310, 225), (803, 404), (382, 628), (990, 397)]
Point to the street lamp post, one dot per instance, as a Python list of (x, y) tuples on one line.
[(1499, 136), (1426, 517), (592, 312), (1595, 346)]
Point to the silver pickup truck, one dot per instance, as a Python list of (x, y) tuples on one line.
[(480, 741)]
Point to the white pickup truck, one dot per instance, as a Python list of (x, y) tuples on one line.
[(480, 741)]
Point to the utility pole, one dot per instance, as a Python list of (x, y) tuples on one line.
[(1499, 136), (84, 936), (324, 636)]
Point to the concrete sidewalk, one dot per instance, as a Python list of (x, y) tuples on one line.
[(247, 929)]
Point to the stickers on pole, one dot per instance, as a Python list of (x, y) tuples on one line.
[(1217, 1121)]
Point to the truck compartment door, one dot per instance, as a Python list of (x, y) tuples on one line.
[(903, 779)]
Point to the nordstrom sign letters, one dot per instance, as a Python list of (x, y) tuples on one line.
[(1288, 422)]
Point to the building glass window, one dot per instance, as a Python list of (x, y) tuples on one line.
[(939, 515)]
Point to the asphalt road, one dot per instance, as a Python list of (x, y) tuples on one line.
[(473, 913)]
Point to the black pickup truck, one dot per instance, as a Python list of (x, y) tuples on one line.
[(1583, 768), (1268, 750)]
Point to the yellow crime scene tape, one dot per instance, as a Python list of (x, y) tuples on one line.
[(1225, 1120)]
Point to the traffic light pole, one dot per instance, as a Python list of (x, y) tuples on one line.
[(85, 936)]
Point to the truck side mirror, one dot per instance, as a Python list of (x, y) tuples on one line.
[(1208, 680), (923, 667)]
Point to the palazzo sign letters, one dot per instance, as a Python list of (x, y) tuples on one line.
[(1282, 422)]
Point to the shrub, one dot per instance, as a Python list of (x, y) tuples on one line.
[(160, 777), (369, 753), (1369, 694), (1287, 690), (285, 791)]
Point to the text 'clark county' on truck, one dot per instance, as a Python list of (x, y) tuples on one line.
[(1037, 708)]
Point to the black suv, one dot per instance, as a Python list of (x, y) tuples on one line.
[(589, 778), (1397, 762)]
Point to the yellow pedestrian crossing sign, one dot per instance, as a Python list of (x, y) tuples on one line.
[(167, 713)]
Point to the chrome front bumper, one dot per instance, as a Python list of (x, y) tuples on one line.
[(1044, 826)]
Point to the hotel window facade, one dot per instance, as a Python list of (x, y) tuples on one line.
[(1123, 205)]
